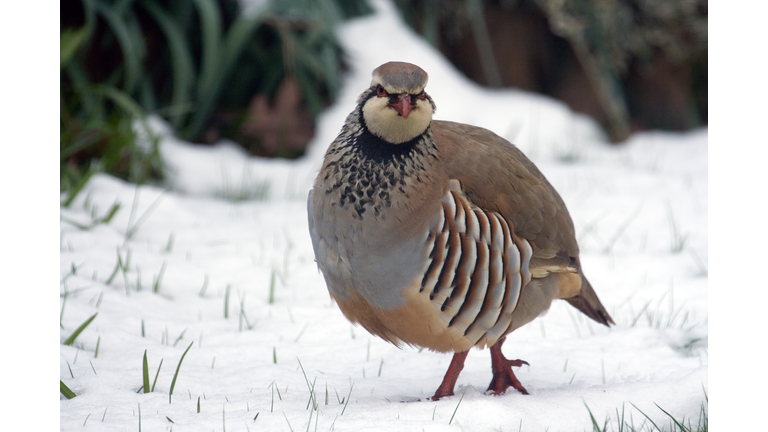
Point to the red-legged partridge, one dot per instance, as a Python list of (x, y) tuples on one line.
[(438, 234)]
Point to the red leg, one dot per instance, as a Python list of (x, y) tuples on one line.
[(449, 381), (503, 377)]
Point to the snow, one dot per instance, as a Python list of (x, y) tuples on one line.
[(225, 227)]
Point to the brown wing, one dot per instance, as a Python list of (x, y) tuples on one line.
[(496, 175)]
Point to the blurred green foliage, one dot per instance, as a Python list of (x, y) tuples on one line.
[(122, 60)]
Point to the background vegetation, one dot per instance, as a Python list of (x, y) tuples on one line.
[(261, 76), (198, 64), (629, 64)]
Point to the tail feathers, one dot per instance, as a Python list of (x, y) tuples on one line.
[(588, 303)]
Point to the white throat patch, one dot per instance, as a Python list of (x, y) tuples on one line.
[(388, 124)]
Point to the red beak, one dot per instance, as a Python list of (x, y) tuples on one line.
[(403, 104)]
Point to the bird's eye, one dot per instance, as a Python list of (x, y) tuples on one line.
[(421, 96), (380, 92)]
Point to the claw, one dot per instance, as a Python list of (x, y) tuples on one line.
[(503, 376)]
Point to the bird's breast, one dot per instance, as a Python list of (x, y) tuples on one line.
[(374, 249), (452, 284)]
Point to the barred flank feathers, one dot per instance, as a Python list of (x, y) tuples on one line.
[(477, 271)]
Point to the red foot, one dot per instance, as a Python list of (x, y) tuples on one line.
[(449, 381), (503, 377)]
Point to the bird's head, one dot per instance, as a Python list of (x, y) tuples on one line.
[(397, 108)]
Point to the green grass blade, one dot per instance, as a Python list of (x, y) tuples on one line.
[(226, 301), (131, 53), (76, 224), (157, 375), (110, 214), (121, 98), (595, 426), (133, 229), (457, 408), (127, 103), (205, 286), (278, 391), (69, 394), (82, 86), (238, 36), (158, 280), (301, 332), (272, 287), (310, 387), (71, 339), (681, 426), (646, 416), (118, 266), (169, 246), (181, 61), (137, 35), (619, 232), (289, 423), (78, 187), (61, 316), (69, 42), (210, 22), (181, 336), (145, 369), (79, 142), (176, 375), (348, 397)]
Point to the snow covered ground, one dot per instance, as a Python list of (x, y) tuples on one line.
[(219, 257)]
